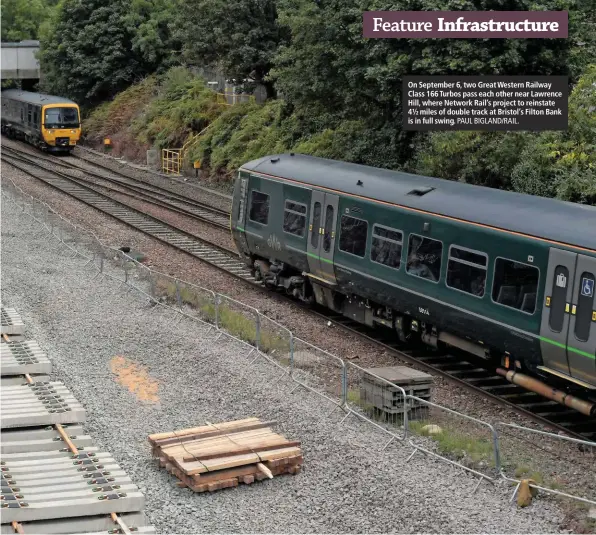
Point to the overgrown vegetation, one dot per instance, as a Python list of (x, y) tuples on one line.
[(183, 104), (242, 325), (22, 19), (339, 93)]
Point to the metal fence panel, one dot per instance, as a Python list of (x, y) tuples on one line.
[(453, 437), (512, 451), (552, 461), (319, 371)]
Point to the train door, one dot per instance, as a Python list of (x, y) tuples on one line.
[(321, 234), (581, 338), (238, 214), (561, 349)]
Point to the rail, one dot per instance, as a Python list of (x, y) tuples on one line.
[(274, 343), (486, 383)]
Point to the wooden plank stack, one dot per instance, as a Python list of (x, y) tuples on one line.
[(217, 456)]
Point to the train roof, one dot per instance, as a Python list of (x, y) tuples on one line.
[(34, 98), (550, 219)]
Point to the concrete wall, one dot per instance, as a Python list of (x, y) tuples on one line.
[(18, 60)]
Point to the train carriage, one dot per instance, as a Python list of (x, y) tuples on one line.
[(48, 122), (502, 275)]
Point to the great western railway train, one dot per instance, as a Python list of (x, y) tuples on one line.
[(505, 276), (48, 122)]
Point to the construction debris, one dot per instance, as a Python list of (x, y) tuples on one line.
[(217, 456)]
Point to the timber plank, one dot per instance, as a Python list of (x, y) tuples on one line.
[(217, 456)]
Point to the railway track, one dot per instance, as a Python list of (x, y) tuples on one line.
[(474, 375), (82, 150), (54, 480), (135, 189), (220, 257), (464, 371)]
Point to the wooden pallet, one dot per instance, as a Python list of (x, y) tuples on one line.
[(217, 456)]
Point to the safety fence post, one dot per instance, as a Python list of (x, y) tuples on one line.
[(291, 354), (344, 386), (178, 296), (217, 302), (258, 331)]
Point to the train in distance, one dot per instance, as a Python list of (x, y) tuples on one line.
[(508, 277), (45, 121)]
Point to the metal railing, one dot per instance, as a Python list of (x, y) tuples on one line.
[(532, 444), (229, 97), (171, 161), (489, 452)]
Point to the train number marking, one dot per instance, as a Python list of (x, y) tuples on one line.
[(423, 311)]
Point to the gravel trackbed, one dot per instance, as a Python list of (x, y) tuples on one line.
[(137, 372)]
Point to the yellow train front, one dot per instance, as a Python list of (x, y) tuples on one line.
[(48, 122)]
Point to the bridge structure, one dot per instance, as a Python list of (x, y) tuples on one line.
[(19, 62)]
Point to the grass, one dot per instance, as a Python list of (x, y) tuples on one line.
[(457, 445), (236, 323), (452, 442), (115, 116), (462, 446)]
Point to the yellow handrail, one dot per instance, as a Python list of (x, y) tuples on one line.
[(172, 159)]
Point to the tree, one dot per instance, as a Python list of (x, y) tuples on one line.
[(563, 164), (330, 73), (86, 53), (482, 158), (150, 24), (21, 19), (238, 36)]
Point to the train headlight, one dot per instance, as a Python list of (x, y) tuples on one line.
[(50, 131), (73, 131)]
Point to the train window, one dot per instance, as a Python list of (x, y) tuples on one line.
[(585, 306), (328, 228), (352, 238), (259, 207), (61, 118), (386, 246), (316, 225), (424, 257), (295, 218), (515, 285), (466, 270)]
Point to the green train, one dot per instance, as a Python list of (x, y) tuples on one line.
[(505, 276)]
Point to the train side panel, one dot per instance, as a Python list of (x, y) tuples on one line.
[(412, 271), (436, 296), (274, 223)]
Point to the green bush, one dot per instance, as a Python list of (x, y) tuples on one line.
[(116, 115), (242, 133), (183, 105)]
